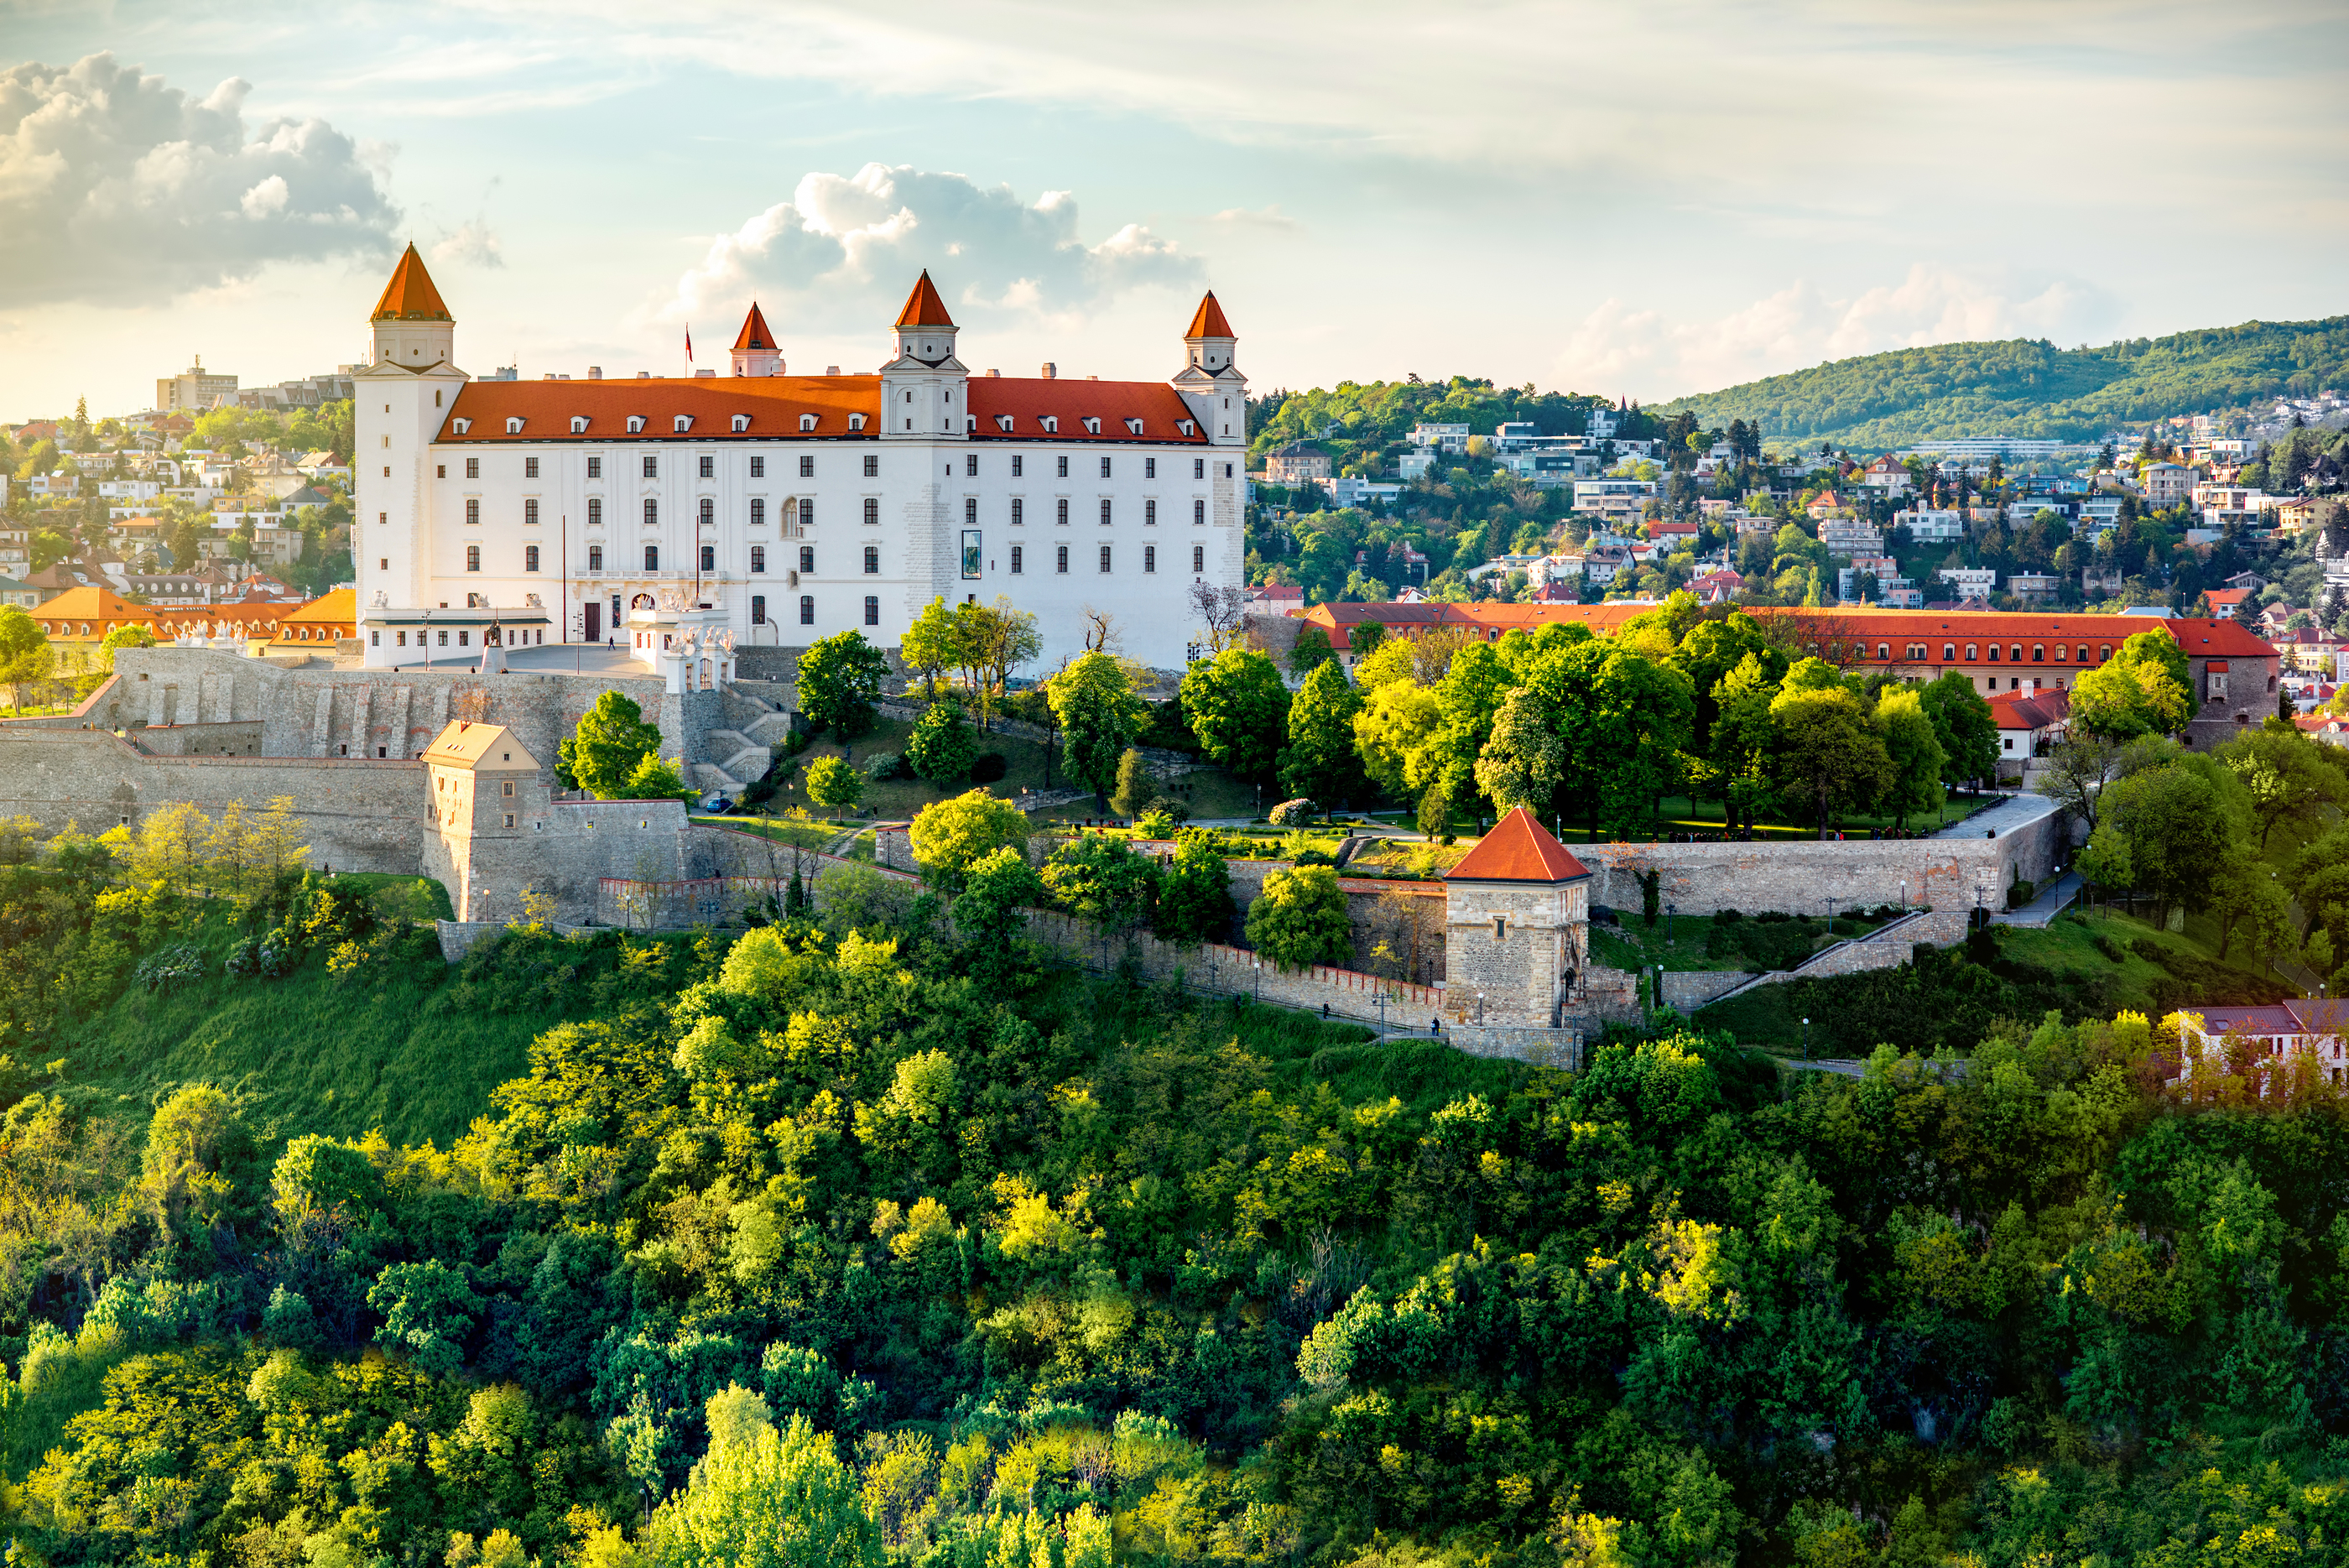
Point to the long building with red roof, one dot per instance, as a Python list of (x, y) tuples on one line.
[(793, 506), (2232, 669)]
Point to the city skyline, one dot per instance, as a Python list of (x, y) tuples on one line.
[(1656, 210)]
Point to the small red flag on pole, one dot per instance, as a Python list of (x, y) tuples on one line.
[(689, 345)]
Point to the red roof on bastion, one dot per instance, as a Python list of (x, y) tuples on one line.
[(1518, 849)]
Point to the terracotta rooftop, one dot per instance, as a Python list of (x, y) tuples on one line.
[(1209, 320), (1518, 849), (923, 307), (409, 296), (754, 333)]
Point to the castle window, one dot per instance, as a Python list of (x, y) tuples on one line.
[(506, 788), (2038, 653), (1133, 427), (636, 424), (594, 557), (709, 466), (741, 423), (1065, 467), (758, 607), (872, 511), (708, 513), (1003, 423), (1149, 464), (652, 465), (459, 426), (1199, 557), (807, 422), (530, 510), (758, 557), (530, 468), (871, 466), (1017, 558), (2059, 652), (807, 465), (472, 557), (652, 557), (473, 509), (1949, 652), (683, 423), (594, 512), (1104, 468), (807, 559), (1104, 515), (871, 610), (1150, 512), (758, 467), (513, 427), (872, 560), (970, 511), (1063, 560), (1091, 424), (807, 510), (1150, 557), (579, 424), (472, 468), (1018, 511), (709, 558), (856, 422), (1062, 504), (1500, 927), (1199, 513), (758, 512), (530, 558), (1994, 653), (807, 609), (1104, 557)]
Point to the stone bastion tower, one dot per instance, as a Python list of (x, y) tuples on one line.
[(1516, 930)]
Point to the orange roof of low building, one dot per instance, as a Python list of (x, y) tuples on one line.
[(754, 333), (923, 307), (2031, 709), (339, 608), (1208, 320), (409, 296), (1518, 849)]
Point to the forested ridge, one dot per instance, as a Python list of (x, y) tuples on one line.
[(845, 1242), (2030, 388)]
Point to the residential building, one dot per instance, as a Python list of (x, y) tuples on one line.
[(1298, 462), (2030, 585), (1847, 537), (1931, 526), (1413, 465), (776, 509), (193, 390), (2029, 722), (2299, 1032), (2165, 484), (1970, 582), (23, 595), (1889, 475), (1451, 439), (1345, 490), (53, 484), (1618, 500)]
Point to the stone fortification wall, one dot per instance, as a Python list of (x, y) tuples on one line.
[(1888, 947), (236, 738), (1688, 990), (581, 843), (1800, 875), (362, 816)]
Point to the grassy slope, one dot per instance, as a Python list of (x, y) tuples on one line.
[(2025, 388)]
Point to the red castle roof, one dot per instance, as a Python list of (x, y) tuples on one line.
[(409, 296), (923, 307), (1518, 849), (754, 333), (1209, 320)]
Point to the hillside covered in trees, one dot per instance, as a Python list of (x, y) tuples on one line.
[(850, 1243), (2031, 389)]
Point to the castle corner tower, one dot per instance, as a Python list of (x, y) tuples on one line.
[(755, 352), (400, 400)]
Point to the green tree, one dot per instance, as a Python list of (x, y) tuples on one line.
[(833, 781), (2140, 691), (427, 1310), (1134, 786), (996, 639), (1319, 761), (2286, 778), (1237, 706), (948, 836), (1300, 919), (839, 676), (1639, 716), (997, 890), (1826, 754), (603, 753), (1397, 722), (1364, 636), (1964, 725), (942, 745), (1915, 752), (932, 644), (1100, 717), (1468, 700), (1744, 737), (655, 777), (1194, 895), (779, 1500), (1102, 879), (2173, 827), (123, 636), (1311, 651), (26, 656)]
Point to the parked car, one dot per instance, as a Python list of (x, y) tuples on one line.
[(716, 803)]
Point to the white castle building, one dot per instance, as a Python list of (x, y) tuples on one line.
[(767, 509)]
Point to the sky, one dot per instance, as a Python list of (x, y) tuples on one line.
[(1629, 200)]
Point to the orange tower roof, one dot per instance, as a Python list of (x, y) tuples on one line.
[(409, 296), (1518, 849), (1209, 321), (754, 333), (923, 307)]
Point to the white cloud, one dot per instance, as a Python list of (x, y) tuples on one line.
[(1270, 217), (474, 244), (117, 190), (1651, 356), (846, 248)]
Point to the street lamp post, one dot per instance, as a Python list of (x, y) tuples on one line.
[(1670, 911), (1480, 1010), (1806, 1039)]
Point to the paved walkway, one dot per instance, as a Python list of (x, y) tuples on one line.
[(569, 658), (2046, 907), (2015, 811)]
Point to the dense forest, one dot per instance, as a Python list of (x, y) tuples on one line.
[(843, 1241), (2031, 389)]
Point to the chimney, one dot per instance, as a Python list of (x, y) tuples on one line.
[(1092, 377), (993, 375), (644, 375), (594, 373), (705, 375), (1049, 370), (831, 370)]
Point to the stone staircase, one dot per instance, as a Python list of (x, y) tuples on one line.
[(735, 759)]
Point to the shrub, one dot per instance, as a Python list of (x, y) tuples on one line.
[(881, 767), (989, 767), (833, 782), (942, 745), (1300, 919), (171, 969), (1727, 918), (1290, 813)]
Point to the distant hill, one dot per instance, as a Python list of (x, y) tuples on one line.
[(2031, 390)]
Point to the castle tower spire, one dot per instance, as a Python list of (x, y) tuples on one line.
[(1209, 381), (411, 326), (923, 385), (755, 351)]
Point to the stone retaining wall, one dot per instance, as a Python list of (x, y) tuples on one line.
[(1688, 990)]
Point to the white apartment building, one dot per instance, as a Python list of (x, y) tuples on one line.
[(777, 508), (193, 390), (1849, 536), (1970, 582), (2166, 483), (1615, 500), (1927, 525), (1449, 439)]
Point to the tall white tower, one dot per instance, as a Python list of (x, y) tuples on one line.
[(755, 353), (923, 385), (1209, 381), (400, 400)]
